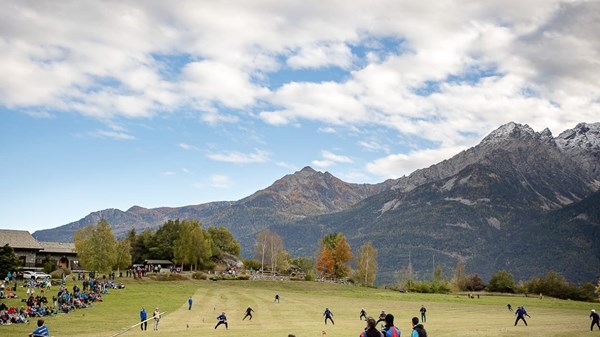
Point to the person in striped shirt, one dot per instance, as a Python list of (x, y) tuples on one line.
[(41, 330)]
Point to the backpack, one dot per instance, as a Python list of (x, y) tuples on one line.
[(420, 330)]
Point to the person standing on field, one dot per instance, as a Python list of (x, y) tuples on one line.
[(390, 330), (222, 320), (143, 317), (423, 314), (381, 317), (418, 329), (190, 303), (595, 320), (248, 313), (521, 313), (156, 315), (328, 316), (371, 329), (363, 313)]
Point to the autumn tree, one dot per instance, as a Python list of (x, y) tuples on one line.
[(334, 256), (96, 247), (366, 270)]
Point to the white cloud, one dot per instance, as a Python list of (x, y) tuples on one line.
[(258, 156), (329, 159), (397, 165), (373, 146), (322, 55), (112, 134), (168, 173), (335, 157), (327, 129), (220, 181), (40, 114), (112, 60)]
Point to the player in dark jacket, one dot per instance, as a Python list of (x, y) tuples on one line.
[(248, 313), (363, 313), (381, 317), (371, 329), (390, 330), (418, 329), (595, 320), (222, 320), (521, 313), (328, 316)]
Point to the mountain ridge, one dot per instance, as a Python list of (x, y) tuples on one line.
[(488, 193)]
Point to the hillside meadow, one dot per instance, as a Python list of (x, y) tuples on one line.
[(300, 311)]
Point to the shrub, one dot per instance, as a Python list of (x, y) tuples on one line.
[(167, 277), (58, 273), (199, 276)]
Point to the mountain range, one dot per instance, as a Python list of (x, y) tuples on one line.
[(520, 200)]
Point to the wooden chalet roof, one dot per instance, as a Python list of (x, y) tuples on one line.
[(18, 239)]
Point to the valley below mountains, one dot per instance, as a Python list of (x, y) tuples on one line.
[(520, 200)]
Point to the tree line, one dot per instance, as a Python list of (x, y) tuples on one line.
[(552, 284), (190, 246)]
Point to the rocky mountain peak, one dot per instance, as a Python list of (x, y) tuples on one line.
[(582, 144), (307, 169), (585, 135), (511, 130)]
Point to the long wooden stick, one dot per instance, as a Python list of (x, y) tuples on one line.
[(133, 326)]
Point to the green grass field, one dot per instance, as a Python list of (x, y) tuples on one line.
[(301, 311)]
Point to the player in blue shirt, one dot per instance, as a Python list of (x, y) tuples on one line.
[(143, 317), (222, 320), (41, 331), (328, 316)]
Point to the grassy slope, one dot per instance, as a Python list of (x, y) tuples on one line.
[(301, 309)]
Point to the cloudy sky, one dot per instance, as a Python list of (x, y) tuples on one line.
[(110, 104)]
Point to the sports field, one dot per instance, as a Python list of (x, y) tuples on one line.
[(300, 311)]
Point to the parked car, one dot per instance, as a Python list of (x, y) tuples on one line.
[(28, 274), (42, 275), (35, 275)]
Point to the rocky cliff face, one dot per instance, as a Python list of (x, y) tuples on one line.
[(582, 144)]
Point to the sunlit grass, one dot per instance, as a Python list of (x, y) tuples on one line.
[(301, 309)]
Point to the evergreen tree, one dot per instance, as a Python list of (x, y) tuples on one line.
[(9, 262)]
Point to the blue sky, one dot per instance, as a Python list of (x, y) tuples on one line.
[(116, 103)]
